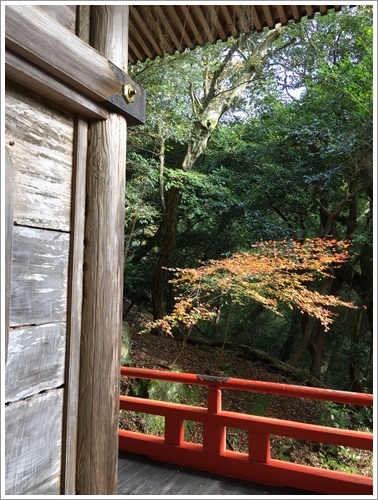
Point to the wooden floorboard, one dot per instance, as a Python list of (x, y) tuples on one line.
[(139, 475)]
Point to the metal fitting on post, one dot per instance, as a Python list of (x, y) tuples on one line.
[(128, 93)]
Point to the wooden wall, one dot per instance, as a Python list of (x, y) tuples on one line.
[(40, 141)]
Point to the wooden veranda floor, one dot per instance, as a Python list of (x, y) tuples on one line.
[(139, 475)]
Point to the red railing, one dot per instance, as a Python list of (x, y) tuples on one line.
[(257, 465)]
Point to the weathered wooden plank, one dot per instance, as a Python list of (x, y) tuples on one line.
[(32, 34), (33, 429), (103, 277), (9, 195), (160, 479), (35, 361), (42, 143), (51, 486), (39, 276), (63, 14), (75, 299), (139, 475), (20, 71)]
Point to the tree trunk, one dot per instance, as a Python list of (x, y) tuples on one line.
[(160, 275), (316, 343), (288, 346), (315, 346), (354, 365), (207, 113), (307, 324), (366, 263)]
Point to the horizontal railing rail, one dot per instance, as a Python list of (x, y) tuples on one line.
[(256, 465)]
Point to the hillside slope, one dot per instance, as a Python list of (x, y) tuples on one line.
[(154, 352)]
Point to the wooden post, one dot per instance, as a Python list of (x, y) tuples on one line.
[(9, 191), (74, 310), (259, 447), (214, 436), (103, 276)]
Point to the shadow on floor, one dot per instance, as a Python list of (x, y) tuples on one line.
[(140, 475)]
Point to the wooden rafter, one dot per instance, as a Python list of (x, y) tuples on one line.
[(228, 20), (202, 20), (268, 16), (282, 14), (241, 12), (145, 40), (185, 9), (146, 33), (257, 23), (215, 18), (309, 11), (168, 28), (296, 14), (180, 26)]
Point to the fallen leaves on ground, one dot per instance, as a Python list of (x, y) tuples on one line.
[(155, 352)]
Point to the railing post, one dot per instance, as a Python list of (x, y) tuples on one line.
[(259, 447), (174, 431), (214, 436)]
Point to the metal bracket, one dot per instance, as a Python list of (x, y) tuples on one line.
[(132, 102)]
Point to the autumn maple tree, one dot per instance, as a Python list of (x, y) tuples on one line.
[(273, 273)]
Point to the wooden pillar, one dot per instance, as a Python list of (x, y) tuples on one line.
[(9, 191), (103, 276)]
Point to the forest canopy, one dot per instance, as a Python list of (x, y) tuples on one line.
[(264, 138)]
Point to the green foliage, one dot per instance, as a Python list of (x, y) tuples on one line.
[(165, 391), (236, 439), (292, 160), (334, 457), (258, 404), (125, 345), (345, 416)]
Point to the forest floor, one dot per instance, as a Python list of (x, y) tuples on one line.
[(155, 352)]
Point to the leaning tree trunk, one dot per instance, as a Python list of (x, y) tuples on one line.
[(160, 275), (207, 112)]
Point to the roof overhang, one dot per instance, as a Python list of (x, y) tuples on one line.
[(155, 30)]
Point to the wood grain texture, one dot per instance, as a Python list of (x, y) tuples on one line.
[(36, 360), (39, 276), (9, 196), (20, 71), (32, 34), (75, 298), (83, 22), (42, 158), (140, 476), (103, 277), (63, 14), (33, 430)]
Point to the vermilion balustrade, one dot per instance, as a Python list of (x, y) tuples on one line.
[(257, 465)]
